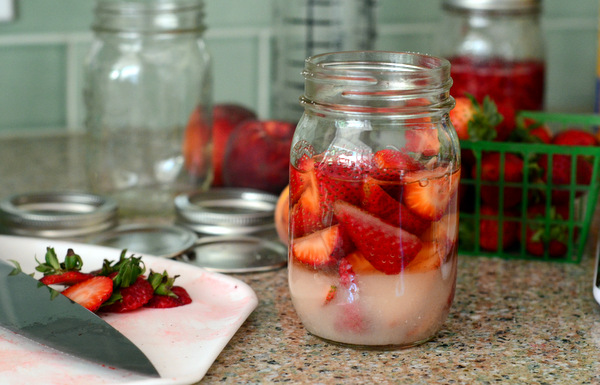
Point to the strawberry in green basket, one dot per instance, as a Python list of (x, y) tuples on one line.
[(475, 121), (490, 172), (537, 240)]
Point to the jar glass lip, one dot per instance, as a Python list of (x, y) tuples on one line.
[(494, 5), (146, 5), (377, 82), (375, 61)]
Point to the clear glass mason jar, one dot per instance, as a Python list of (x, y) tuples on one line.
[(374, 171), (496, 48), (148, 98)]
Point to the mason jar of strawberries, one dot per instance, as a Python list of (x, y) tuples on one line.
[(374, 174)]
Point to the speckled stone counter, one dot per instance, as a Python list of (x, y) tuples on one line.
[(513, 322)]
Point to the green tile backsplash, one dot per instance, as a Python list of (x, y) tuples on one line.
[(42, 51)]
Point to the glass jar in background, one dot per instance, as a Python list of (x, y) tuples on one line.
[(304, 28), (374, 174), (496, 48), (148, 98)]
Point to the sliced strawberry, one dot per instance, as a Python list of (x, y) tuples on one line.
[(378, 202), (302, 176), (181, 297), (394, 160), (306, 216), (131, 297), (67, 278), (386, 247), (91, 293), (321, 248), (61, 273), (429, 192), (423, 141), (340, 178)]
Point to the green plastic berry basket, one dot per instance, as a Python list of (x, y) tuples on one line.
[(521, 229)]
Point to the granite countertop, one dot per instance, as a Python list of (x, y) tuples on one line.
[(512, 321)]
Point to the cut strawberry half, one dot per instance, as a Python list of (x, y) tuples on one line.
[(386, 247), (306, 215), (422, 140), (67, 278), (91, 293), (321, 248), (302, 176), (378, 202), (394, 160), (430, 191), (339, 179)]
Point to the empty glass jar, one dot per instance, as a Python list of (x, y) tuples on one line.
[(148, 99)]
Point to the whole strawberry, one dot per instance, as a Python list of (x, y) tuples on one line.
[(474, 121), (490, 172), (575, 137), (538, 240), (561, 175), (489, 230)]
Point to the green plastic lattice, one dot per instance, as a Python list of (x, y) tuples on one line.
[(534, 191)]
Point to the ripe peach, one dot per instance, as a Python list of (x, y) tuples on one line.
[(282, 214)]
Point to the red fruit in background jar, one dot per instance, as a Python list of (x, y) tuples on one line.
[(258, 155), (226, 117), (388, 248), (490, 171), (512, 85), (489, 229)]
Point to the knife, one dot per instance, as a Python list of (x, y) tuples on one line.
[(38, 312)]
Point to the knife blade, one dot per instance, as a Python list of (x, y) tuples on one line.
[(38, 312)]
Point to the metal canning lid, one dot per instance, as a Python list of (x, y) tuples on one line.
[(237, 254), (158, 240), (226, 211), (494, 5), (57, 214)]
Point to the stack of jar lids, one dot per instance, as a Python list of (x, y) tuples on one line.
[(57, 214), (236, 228)]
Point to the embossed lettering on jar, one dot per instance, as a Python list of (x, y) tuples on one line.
[(374, 177)]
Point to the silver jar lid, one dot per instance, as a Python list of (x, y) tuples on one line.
[(226, 211), (237, 228), (57, 214), (494, 5)]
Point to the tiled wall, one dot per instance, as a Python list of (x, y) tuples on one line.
[(41, 54)]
